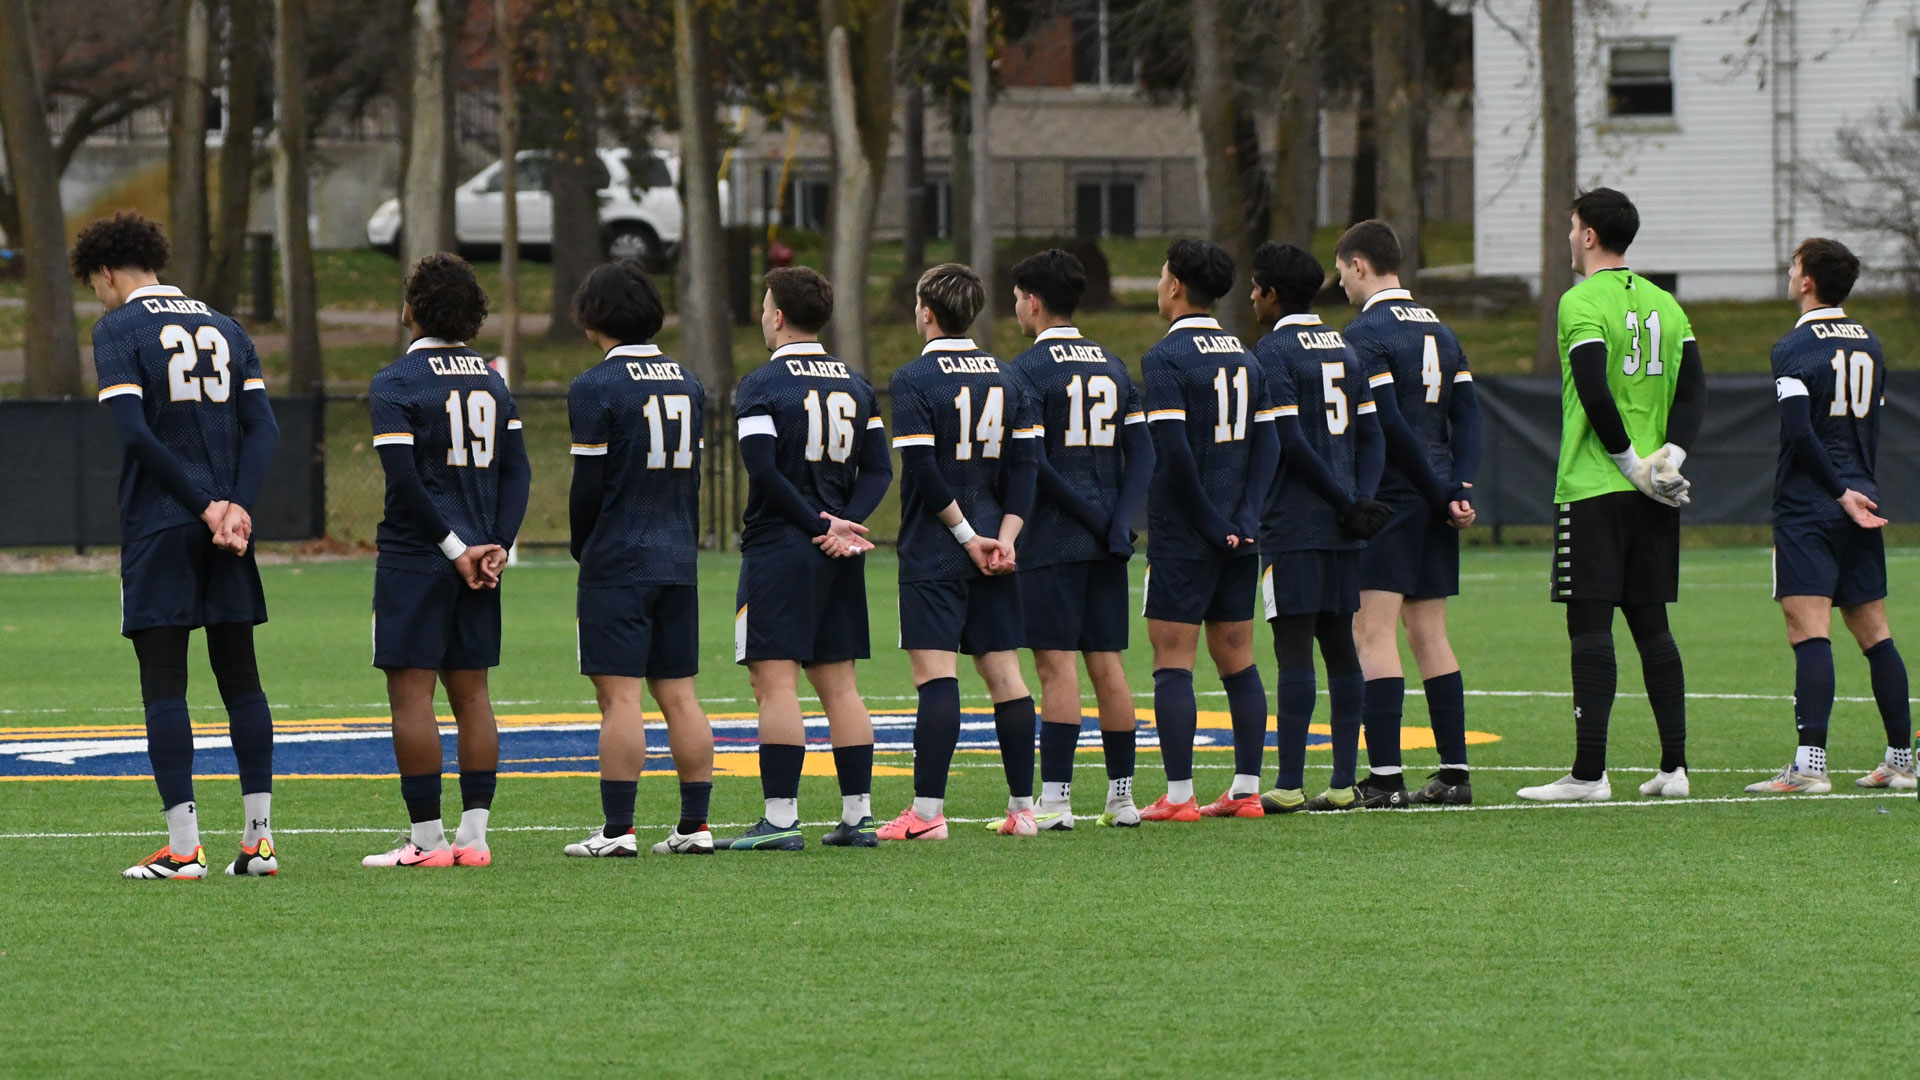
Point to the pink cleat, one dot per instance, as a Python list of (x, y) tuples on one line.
[(911, 826), (409, 855), (1019, 823), (467, 856)]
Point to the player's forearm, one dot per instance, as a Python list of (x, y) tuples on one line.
[(870, 483), (516, 486), (1467, 432), (1402, 447), (1588, 362), (1022, 481), (1263, 463), (1137, 443), (584, 499), (403, 478), (1300, 460), (925, 471), (1369, 454), (1175, 456), (259, 436), (130, 419), (1689, 408), (1796, 427), (757, 451), (1058, 492)]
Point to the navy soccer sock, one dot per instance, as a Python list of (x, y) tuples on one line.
[(476, 789), (170, 748), (616, 803), (1175, 716), (1013, 723), (853, 765), (1380, 717), (1889, 675), (1447, 714), (694, 798), (1118, 747), (1344, 694), (1298, 691), (780, 766), (936, 732), (1247, 706), (250, 727), (1057, 745), (421, 792), (1813, 690)]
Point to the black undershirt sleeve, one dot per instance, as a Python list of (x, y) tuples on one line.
[(1589, 363), (1689, 408)]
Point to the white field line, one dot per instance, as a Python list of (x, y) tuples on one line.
[(723, 826)]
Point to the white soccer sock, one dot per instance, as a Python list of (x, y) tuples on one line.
[(473, 830), (1244, 784), (928, 809), (429, 835), (183, 829), (1444, 765), (1385, 770), (855, 807), (1017, 803), (1900, 757), (1811, 758), (783, 813), (1179, 791), (1054, 793), (1120, 792), (258, 807)]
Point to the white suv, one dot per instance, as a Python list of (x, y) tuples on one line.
[(640, 212)]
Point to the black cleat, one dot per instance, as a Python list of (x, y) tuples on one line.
[(1440, 793), (1376, 794), (864, 833), (765, 836)]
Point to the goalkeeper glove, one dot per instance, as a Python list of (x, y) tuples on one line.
[(1668, 484), (1639, 472)]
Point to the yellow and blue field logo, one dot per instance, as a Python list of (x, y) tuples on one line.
[(549, 744)]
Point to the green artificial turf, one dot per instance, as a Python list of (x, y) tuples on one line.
[(1703, 938)]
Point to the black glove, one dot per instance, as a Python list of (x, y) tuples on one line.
[(1365, 518)]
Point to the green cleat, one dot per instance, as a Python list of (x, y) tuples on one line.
[(1124, 817), (1283, 801), (1332, 799)]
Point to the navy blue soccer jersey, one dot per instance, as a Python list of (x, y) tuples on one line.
[(1203, 375), (188, 365), (960, 401), (644, 413), (1312, 374), (1405, 344), (1083, 395), (443, 400), (821, 416), (1836, 363)]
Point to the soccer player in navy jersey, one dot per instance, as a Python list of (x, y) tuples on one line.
[(634, 518), (1828, 550), (1215, 453), (1431, 418), (457, 475), (1319, 514), (190, 404), (1073, 554), (815, 449), (967, 440)]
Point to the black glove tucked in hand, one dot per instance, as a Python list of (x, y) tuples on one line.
[(1365, 518)]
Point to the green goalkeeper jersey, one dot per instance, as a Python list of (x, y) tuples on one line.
[(1644, 329)]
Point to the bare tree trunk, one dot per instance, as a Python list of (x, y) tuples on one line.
[(1396, 90), (220, 285), (1216, 110), (574, 183), (290, 175), (187, 150), (1296, 174), (860, 104), (52, 348), (706, 324), (959, 175), (980, 163), (426, 211), (1559, 158), (503, 40), (913, 200)]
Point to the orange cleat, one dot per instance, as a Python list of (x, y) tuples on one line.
[(911, 826), (1162, 810), (1019, 823), (1231, 805), (466, 856)]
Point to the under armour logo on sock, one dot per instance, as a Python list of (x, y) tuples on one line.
[(259, 824), (1576, 712)]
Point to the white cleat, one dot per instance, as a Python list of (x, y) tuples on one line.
[(164, 865), (1124, 816), (598, 845), (679, 843), (1567, 789), (1889, 776), (1668, 785), (1051, 820), (1793, 780)]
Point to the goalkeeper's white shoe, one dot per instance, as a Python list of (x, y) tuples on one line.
[(1567, 789), (1793, 780), (1887, 775), (164, 865), (598, 845), (1668, 785)]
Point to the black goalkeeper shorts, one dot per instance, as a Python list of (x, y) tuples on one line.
[(1621, 547)]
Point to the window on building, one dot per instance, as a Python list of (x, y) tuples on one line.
[(807, 202), (936, 208), (1640, 79), (1106, 207), (1099, 59)]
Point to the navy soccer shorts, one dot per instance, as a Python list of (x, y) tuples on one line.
[(975, 615), (1621, 547), (793, 603), (176, 577), (433, 621), (1076, 606), (1309, 582), (639, 631), (1202, 590), (1417, 555), (1833, 558)]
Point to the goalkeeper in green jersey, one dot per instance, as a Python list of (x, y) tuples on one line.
[(1633, 392)]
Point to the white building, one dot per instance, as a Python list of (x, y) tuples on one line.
[(1704, 112)]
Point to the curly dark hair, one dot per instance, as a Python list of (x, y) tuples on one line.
[(446, 297), (803, 295), (1205, 269), (125, 240), (618, 299)]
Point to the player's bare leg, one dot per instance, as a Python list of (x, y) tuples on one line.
[(1108, 673), (690, 741), (416, 750), (783, 754), (1013, 723), (1868, 624), (478, 749), (1059, 672), (850, 728), (1174, 716), (1376, 636), (1231, 646), (1426, 623)]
